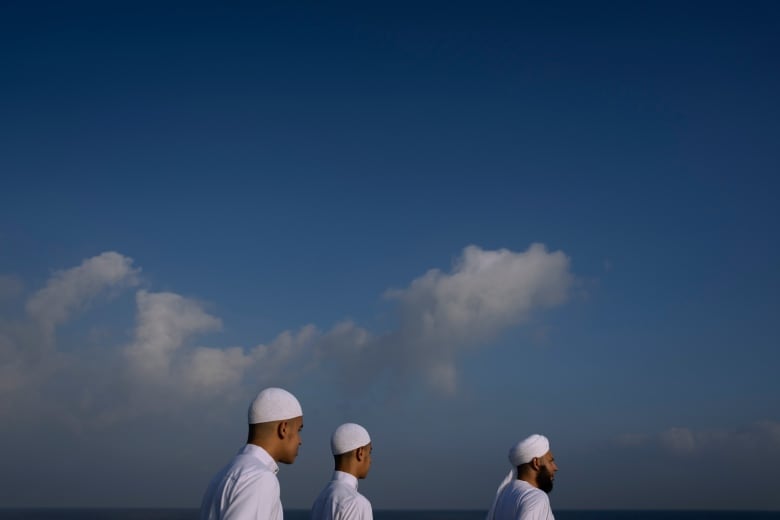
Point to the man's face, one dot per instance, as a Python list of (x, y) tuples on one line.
[(546, 474), (292, 440), (365, 464)]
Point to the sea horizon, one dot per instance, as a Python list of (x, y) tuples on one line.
[(173, 513)]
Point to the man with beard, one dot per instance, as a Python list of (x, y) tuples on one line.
[(523, 493)]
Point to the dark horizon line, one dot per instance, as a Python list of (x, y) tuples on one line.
[(291, 509)]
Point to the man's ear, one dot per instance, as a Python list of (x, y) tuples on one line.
[(359, 453), (281, 429), (535, 463)]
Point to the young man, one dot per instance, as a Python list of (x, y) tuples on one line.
[(340, 500), (247, 488), (523, 493)]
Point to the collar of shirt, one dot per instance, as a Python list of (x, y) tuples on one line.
[(261, 455), (346, 478)]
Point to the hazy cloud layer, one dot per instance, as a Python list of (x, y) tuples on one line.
[(760, 436), (439, 315)]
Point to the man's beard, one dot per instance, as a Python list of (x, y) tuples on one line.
[(544, 479)]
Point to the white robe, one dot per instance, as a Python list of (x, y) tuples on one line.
[(245, 489), (519, 500), (340, 500)]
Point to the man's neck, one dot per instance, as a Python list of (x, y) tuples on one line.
[(530, 478), (267, 446), (344, 468)]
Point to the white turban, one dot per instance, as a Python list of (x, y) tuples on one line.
[(274, 404), (348, 437), (521, 453), (528, 449)]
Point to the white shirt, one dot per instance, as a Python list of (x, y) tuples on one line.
[(521, 501), (245, 489), (340, 500)]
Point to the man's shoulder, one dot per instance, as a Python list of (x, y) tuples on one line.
[(363, 500), (536, 496), (347, 496), (246, 468), (525, 493), (343, 501), (532, 498), (355, 504), (358, 498)]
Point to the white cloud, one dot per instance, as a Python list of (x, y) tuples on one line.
[(33, 373), (439, 315), (211, 369), (160, 354), (285, 350), (485, 293), (71, 290), (165, 321)]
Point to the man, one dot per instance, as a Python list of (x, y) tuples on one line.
[(523, 493), (247, 488), (340, 500)]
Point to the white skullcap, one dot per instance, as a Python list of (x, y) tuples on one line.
[(348, 437), (524, 451), (274, 404)]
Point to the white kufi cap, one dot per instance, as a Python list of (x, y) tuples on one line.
[(529, 448), (348, 437), (274, 404)]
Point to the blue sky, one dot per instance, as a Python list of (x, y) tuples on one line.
[(455, 224)]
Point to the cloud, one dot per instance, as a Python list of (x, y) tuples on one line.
[(759, 436), (28, 357), (485, 293), (678, 440), (165, 321), (442, 314), (69, 291), (163, 364), (286, 349), (210, 369)]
